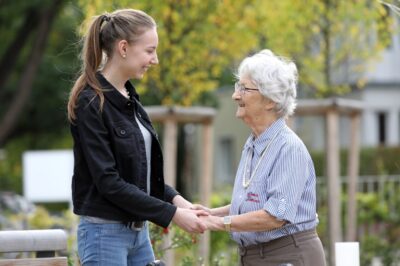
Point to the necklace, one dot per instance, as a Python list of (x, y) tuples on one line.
[(246, 183)]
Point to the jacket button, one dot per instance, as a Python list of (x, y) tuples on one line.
[(122, 132), (129, 104)]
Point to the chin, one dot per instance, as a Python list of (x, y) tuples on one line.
[(239, 114), (139, 76)]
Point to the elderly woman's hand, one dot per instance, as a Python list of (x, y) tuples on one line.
[(200, 207), (213, 223)]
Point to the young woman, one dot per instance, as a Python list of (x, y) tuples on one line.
[(118, 181)]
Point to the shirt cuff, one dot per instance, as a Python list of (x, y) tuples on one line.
[(278, 209)]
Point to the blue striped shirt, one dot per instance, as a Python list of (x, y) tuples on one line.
[(283, 184)]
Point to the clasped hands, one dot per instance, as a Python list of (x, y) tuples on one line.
[(197, 218)]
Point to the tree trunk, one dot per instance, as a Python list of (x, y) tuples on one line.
[(11, 54), (24, 87)]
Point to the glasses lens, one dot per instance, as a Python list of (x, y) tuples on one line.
[(239, 87)]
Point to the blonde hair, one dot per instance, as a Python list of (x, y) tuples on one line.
[(104, 31)]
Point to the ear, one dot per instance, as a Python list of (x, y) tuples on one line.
[(269, 105), (122, 46)]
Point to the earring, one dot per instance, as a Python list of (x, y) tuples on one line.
[(124, 55)]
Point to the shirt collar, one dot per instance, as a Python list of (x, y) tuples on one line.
[(260, 143)]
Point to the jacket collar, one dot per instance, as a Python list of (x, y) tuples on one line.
[(112, 94)]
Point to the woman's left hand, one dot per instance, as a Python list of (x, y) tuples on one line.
[(213, 223)]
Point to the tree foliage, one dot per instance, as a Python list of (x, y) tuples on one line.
[(394, 5), (22, 55), (332, 41), (201, 42), (198, 40)]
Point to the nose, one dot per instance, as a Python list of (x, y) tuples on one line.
[(154, 61), (235, 95)]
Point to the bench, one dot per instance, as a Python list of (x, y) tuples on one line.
[(45, 243)]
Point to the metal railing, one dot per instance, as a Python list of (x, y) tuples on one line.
[(385, 186)]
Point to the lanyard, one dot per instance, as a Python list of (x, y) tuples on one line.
[(246, 183)]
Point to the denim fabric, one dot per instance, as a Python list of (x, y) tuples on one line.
[(113, 244)]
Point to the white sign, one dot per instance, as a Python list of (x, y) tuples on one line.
[(347, 254), (47, 175)]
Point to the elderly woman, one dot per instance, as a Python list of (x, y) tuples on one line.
[(272, 215)]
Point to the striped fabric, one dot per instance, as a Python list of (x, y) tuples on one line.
[(283, 184)]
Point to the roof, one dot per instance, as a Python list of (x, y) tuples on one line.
[(194, 114), (322, 106)]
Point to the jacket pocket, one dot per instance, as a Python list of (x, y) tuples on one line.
[(124, 138)]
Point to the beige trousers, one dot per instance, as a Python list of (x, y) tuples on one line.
[(300, 249)]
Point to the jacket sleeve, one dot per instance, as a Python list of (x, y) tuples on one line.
[(170, 193), (95, 142)]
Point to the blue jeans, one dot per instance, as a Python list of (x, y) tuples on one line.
[(113, 244)]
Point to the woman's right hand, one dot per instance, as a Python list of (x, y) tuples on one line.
[(189, 220), (201, 207)]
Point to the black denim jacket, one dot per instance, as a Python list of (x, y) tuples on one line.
[(109, 179)]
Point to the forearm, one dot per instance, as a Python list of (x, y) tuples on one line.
[(249, 222), (181, 202), (255, 222)]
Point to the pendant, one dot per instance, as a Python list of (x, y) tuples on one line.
[(245, 184)]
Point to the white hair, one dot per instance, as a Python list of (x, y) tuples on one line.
[(275, 77)]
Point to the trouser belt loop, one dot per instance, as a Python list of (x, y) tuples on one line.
[(242, 251), (262, 251), (135, 226), (294, 240)]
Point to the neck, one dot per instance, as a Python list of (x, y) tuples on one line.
[(259, 126), (111, 73)]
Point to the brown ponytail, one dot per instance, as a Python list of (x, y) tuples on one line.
[(125, 24), (91, 57)]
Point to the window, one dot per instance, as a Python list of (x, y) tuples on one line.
[(382, 128), (225, 170)]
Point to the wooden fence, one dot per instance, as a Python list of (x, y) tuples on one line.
[(45, 243)]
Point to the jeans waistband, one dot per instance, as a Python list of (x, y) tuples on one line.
[(279, 242), (133, 225)]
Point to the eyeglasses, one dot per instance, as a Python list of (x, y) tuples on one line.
[(242, 89)]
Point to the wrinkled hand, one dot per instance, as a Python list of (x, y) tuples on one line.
[(189, 220), (213, 223), (200, 207)]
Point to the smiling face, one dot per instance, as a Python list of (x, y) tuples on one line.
[(249, 101), (141, 55), (253, 108)]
